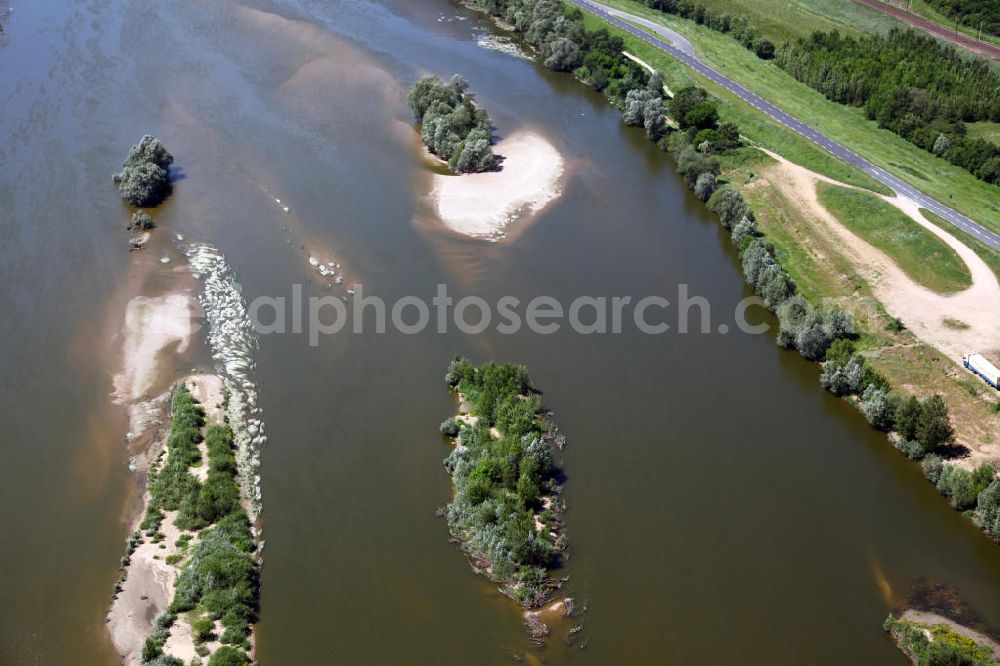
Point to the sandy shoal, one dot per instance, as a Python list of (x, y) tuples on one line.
[(483, 204), (151, 325)]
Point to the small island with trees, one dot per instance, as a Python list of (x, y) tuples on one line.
[(452, 126), (506, 511), (144, 182), (477, 197)]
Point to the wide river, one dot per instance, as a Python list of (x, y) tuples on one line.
[(724, 509)]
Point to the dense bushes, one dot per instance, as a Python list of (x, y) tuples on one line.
[(227, 656), (988, 509), (937, 645), (738, 27), (504, 476), (144, 179), (558, 35), (451, 125), (644, 107), (221, 577), (140, 221), (912, 84), (922, 427), (963, 488), (172, 487), (802, 326), (976, 492)]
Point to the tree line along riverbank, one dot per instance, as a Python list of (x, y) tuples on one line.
[(700, 144)]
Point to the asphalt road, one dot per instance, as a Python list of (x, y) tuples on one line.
[(896, 184)]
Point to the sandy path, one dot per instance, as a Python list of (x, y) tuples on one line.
[(649, 68), (483, 204), (206, 389), (923, 311)]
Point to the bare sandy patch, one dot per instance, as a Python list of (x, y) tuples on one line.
[(151, 325), (483, 204), (928, 314), (146, 591), (206, 389)]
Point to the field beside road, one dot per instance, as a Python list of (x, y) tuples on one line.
[(846, 125)]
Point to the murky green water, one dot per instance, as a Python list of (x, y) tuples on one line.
[(723, 508)]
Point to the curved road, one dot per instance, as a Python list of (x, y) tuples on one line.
[(681, 51)]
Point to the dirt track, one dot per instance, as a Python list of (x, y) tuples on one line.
[(936, 29), (925, 312)]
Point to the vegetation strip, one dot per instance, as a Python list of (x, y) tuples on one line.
[(506, 511), (218, 579)]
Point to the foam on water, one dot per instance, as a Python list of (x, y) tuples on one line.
[(233, 341)]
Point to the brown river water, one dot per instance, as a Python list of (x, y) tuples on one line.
[(723, 508)]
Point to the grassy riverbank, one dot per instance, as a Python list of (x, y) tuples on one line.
[(506, 510)]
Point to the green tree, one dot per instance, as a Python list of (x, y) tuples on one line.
[(908, 416), (144, 179), (702, 116), (764, 49), (879, 406), (934, 427)]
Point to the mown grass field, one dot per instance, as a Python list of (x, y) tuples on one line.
[(919, 253), (787, 20), (846, 125)]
